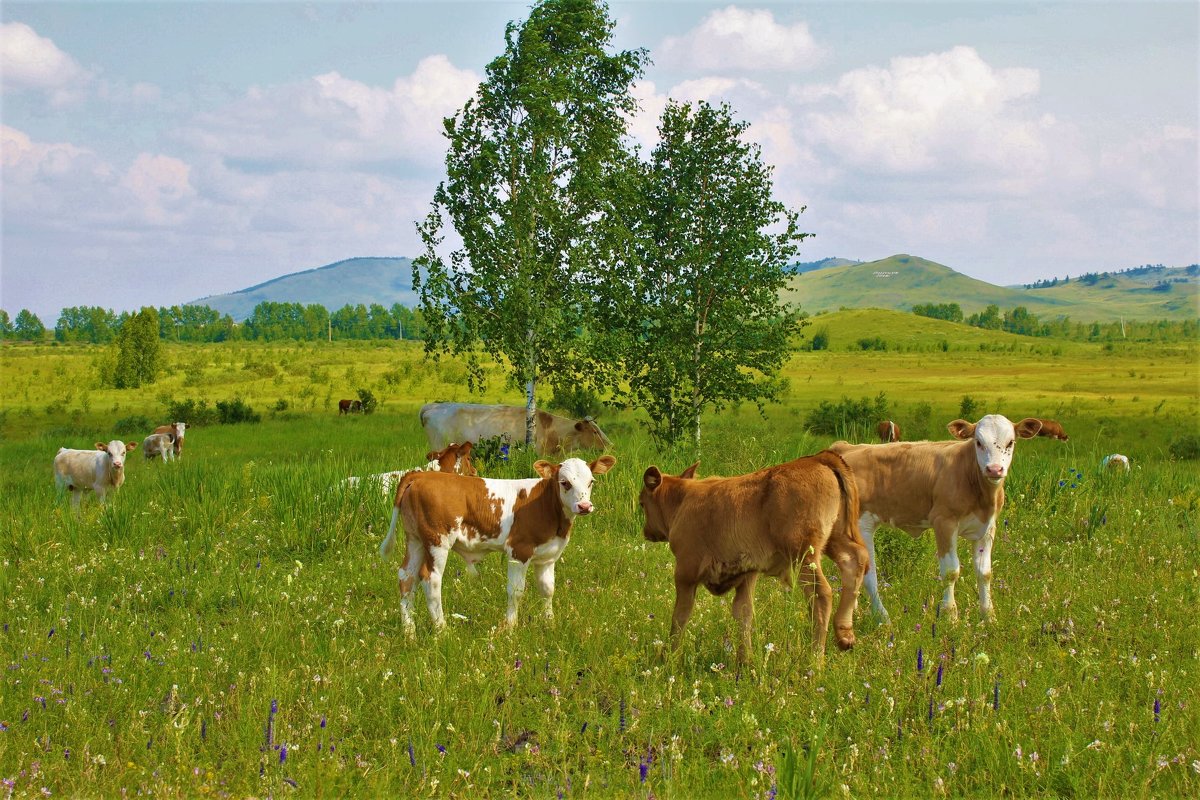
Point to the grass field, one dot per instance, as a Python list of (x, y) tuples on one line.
[(224, 626)]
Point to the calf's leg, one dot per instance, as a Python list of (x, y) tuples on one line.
[(852, 561), (685, 600), (948, 565), (981, 555), (516, 589), (867, 524), (820, 598), (543, 576), (414, 569), (743, 612), (433, 585)]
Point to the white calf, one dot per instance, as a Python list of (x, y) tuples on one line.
[(100, 470), (161, 445)]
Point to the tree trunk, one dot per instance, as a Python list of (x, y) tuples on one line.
[(530, 413)]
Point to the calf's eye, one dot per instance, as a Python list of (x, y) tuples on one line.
[(565, 484)]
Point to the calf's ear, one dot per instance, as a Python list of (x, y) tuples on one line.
[(961, 429), (131, 445), (602, 465), (545, 468), (431, 455), (1028, 427), (102, 446), (690, 472), (652, 478), (465, 448)]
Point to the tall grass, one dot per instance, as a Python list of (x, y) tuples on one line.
[(224, 627)]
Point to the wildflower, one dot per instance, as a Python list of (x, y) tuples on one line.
[(441, 748), (583, 727), (643, 768), (1157, 709), (282, 753), (920, 660), (982, 659), (322, 720), (769, 647), (622, 720), (996, 695), (939, 675), (412, 758)]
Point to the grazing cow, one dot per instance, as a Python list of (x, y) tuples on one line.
[(1115, 461), (888, 431), (349, 406), (953, 487), (1052, 429), (445, 422), (100, 470), (159, 445), (176, 429), (454, 458), (725, 532), (529, 520)]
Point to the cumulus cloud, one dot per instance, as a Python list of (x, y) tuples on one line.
[(32, 62), (742, 39), (942, 111), (334, 119)]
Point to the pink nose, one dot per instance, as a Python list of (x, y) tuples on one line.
[(995, 470), (583, 508)]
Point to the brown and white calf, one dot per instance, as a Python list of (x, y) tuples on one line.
[(176, 429), (1052, 429), (159, 445), (888, 431), (725, 532), (101, 470), (955, 487), (529, 520), (444, 422), (454, 458)]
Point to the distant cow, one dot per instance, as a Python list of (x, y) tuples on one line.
[(177, 430), (1116, 461), (725, 532), (447, 422), (454, 458), (1052, 430), (953, 487), (159, 445), (529, 520), (349, 406), (888, 431), (101, 470)]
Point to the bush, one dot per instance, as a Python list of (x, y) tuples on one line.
[(849, 418), (369, 403), (576, 400), (1185, 448), (495, 449), (820, 339), (134, 424), (194, 413), (968, 408), (232, 412), (872, 343), (280, 405)]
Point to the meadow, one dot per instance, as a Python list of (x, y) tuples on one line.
[(225, 627)]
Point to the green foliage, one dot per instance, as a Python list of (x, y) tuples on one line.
[(989, 318), (1186, 447), (194, 413), (849, 419), (232, 412), (139, 354), (951, 312), (134, 424), (820, 340), (872, 343), (27, 327), (87, 324), (918, 424), (576, 400), (690, 313), (496, 450), (6, 326), (968, 409), (368, 400), (527, 163)]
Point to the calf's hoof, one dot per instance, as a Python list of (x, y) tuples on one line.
[(845, 638)]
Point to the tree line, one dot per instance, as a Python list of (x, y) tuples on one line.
[(1021, 321), (268, 322)]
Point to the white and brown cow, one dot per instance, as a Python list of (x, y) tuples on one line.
[(529, 520), (454, 458), (888, 431), (454, 422), (176, 429), (725, 532), (159, 445), (955, 487), (101, 470)]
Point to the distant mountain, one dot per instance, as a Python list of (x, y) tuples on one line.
[(902, 281), (356, 280), (824, 263)]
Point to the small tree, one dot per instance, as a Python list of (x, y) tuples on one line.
[(6, 326), (139, 352), (526, 163), (28, 327), (693, 305)]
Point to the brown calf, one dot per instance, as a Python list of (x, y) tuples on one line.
[(349, 406), (725, 532), (888, 431), (1052, 429)]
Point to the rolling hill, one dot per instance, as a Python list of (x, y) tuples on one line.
[(902, 281), (356, 280)]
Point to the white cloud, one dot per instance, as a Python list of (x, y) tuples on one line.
[(744, 39), (1159, 168), (942, 112), (161, 186), (333, 119), (32, 62)]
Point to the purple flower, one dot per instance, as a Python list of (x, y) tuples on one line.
[(282, 753), (441, 748), (920, 660), (939, 675), (203, 729), (621, 726), (930, 717), (412, 757), (643, 768), (583, 727), (996, 695), (274, 707), (50, 634), (1157, 709)]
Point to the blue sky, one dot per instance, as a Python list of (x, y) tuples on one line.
[(155, 153)]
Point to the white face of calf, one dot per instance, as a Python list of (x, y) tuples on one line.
[(180, 427), (573, 479), (995, 441), (116, 450)]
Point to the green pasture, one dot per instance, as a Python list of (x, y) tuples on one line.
[(225, 628)]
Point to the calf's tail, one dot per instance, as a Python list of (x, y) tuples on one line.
[(389, 542)]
